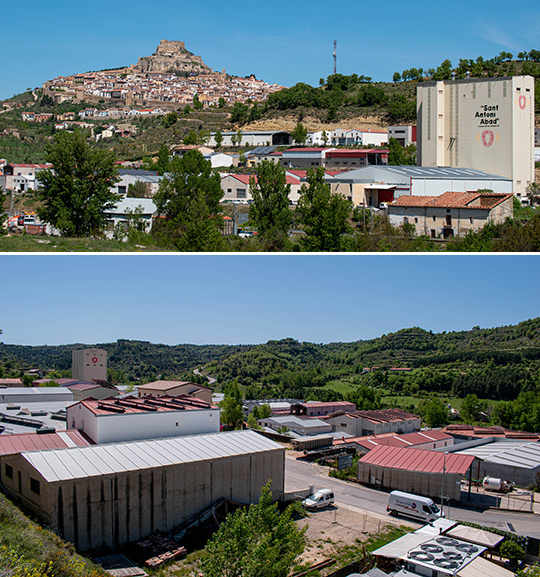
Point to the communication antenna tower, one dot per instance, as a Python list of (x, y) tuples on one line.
[(335, 56)]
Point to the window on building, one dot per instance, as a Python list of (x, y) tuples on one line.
[(34, 486), (241, 193), (472, 220), (122, 190), (8, 469), (434, 218), (433, 233), (416, 220)]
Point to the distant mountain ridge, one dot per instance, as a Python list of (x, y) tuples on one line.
[(413, 348)]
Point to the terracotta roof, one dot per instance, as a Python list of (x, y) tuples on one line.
[(11, 444), (384, 415), (11, 382), (418, 460), (164, 385), (148, 404), (396, 440), (454, 200), (246, 178)]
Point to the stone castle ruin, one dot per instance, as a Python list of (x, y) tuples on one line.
[(172, 57)]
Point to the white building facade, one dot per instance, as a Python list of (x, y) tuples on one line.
[(482, 123)]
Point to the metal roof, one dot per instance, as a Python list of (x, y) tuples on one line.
[(514, 454), (418, 460), (148, 206), (432, 172), (107, 459), (10, 444)]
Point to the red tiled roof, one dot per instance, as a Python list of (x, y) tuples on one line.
[(11, 382), (418, 460), (384, 415), (11, 444), (145, 404), (454, 200), (396, 440)]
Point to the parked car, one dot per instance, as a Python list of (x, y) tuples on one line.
[(320, 499), (413, 506)]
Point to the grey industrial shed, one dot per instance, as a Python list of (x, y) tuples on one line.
[(100, 497)]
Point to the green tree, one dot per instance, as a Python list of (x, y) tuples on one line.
[(265, 411), (221, 102), (189, 198), (232, 412), (299, 133), (163, 162), (396, 77), (139, 189), (218, 137), (471, 407), (270, 212), (202, 230), (197, 104), (252, 421), (399, 155), (169, 119), (323, 214), (77, 192), (434, 412), (191, 138), (254, 542), (325, 137)]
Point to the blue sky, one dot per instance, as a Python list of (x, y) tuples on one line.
[(281, 42), (231, 299)]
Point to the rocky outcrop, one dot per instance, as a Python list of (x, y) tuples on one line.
[(173, 57)]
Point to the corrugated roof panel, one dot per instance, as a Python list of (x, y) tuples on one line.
[(410, 459), (80, 462)]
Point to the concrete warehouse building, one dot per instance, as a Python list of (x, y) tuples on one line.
[(89, 364), (105, 496), (362, 423), (371, 185), (175, 389), (415, 471), (482, 123), (510, 460), (115, 420)]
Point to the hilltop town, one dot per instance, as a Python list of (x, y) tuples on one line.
[(172, 75)]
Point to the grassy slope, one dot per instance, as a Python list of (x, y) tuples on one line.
[(28, 550)]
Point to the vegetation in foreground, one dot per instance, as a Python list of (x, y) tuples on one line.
[(28, 550)]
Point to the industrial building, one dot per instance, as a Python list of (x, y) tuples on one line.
[(296, 426), (175, 389), (508, 459), (104, 496), (317, 408), (426, 473), (482, 123), (371, 185), (451, 214), (89, 364), (115, 420), (422, 440), (94, 390), (362, 423), (10, 383)]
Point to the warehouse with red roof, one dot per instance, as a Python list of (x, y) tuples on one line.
[(415, 471)]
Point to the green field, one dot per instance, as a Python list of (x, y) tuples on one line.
[(26, 243)]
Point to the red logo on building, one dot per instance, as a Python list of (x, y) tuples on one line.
[(488, 138), (94, 360), (522, 101)]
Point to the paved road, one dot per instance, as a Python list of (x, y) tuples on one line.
[(299, 475), (210, 380)]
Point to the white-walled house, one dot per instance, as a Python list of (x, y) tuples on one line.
[(236, 188), (116, 420), (130, 210)]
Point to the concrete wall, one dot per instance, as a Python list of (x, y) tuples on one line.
[(118, 427), (89, 364), (432, 221), (105, 512), (486, 124), (358, 426), (521, 476), (425, 484)]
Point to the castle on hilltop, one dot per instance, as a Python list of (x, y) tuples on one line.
[(172, 57)]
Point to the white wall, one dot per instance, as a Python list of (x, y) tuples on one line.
[(118, 427)]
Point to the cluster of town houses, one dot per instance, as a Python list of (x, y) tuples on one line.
[(130, 86)]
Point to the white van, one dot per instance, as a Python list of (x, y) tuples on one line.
[(322, 498), (413, 506)]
